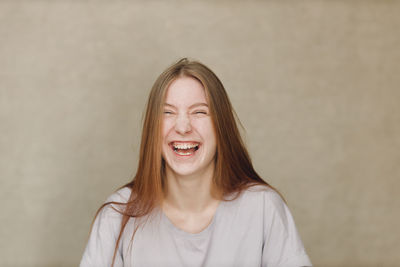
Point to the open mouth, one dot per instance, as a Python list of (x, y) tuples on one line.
[(184, 148)]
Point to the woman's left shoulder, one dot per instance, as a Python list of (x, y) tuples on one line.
[(282, 243), (264, 191), (267, 197)]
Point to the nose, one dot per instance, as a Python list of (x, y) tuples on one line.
[(183, 125)]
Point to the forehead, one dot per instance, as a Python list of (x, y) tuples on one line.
[(185, 91)]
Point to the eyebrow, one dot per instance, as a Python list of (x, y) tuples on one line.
[(192, 106)]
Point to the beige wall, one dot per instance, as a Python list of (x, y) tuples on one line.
[(315, 83)]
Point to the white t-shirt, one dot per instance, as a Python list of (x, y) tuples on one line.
[(255, 230)]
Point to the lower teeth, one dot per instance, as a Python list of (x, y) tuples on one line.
[(183, 153)]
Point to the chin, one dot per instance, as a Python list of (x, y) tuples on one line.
[(182, 170)]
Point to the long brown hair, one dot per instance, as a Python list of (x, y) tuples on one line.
[(233, 171)]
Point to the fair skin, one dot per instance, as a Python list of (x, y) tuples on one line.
[(189, 146)]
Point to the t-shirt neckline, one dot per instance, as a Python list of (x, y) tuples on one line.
[(200, 234)]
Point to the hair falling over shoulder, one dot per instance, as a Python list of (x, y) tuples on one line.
[(233, 172)]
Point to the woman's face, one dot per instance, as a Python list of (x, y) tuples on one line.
[(189, 142)]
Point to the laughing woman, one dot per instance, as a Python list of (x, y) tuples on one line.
[(195, 199)]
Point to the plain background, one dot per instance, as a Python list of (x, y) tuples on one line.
[(315, 84)]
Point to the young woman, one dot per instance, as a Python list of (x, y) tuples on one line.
[(195, 199)]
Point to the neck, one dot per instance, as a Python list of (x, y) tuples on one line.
[(189, 193)]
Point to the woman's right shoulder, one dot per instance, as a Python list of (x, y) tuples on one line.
[(105, 231), (115, 203), (121, 195)]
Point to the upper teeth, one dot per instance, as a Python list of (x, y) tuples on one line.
[(184, 145)]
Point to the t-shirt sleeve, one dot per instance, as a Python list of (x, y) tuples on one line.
[(282, 244), (99, 250)]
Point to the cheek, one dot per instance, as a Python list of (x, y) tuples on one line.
[(166, 127), (206, 129)]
